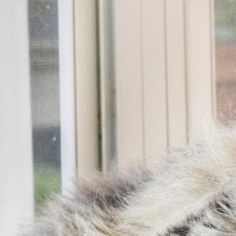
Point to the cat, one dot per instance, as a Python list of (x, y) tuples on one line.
[(190, 192)]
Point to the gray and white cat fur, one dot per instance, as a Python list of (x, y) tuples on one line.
[(190, 192)]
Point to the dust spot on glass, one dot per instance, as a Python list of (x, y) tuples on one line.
[(54, 139), (48, 7)]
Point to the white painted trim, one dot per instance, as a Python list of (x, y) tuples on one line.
[(16, 169), (67, 95)]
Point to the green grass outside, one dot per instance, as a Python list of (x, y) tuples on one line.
[(47, 181)]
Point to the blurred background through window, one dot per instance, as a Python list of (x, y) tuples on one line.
[(43, 27), (225, 36)]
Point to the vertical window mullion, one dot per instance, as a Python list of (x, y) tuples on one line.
[(16, 201)]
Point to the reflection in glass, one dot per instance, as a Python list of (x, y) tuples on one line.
[(43, 27), (225, 34)]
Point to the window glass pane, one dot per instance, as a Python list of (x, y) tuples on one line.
[(43, 27), (225, 34)]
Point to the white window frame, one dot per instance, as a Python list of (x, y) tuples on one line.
[(78, 89), (16, 169), (67, 93)]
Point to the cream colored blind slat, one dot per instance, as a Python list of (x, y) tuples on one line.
[(175, 69), (198, 35), (128, 67), (154, 74), (86, 85)]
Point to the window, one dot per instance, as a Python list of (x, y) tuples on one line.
[(225, 35), (45, 97), (37, 120), (88, 85)]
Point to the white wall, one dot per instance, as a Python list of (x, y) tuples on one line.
[(16, 192)]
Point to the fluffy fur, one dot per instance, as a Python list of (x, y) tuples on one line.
[(191, 192)]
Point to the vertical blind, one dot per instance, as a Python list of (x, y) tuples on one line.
[(163, 59)]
